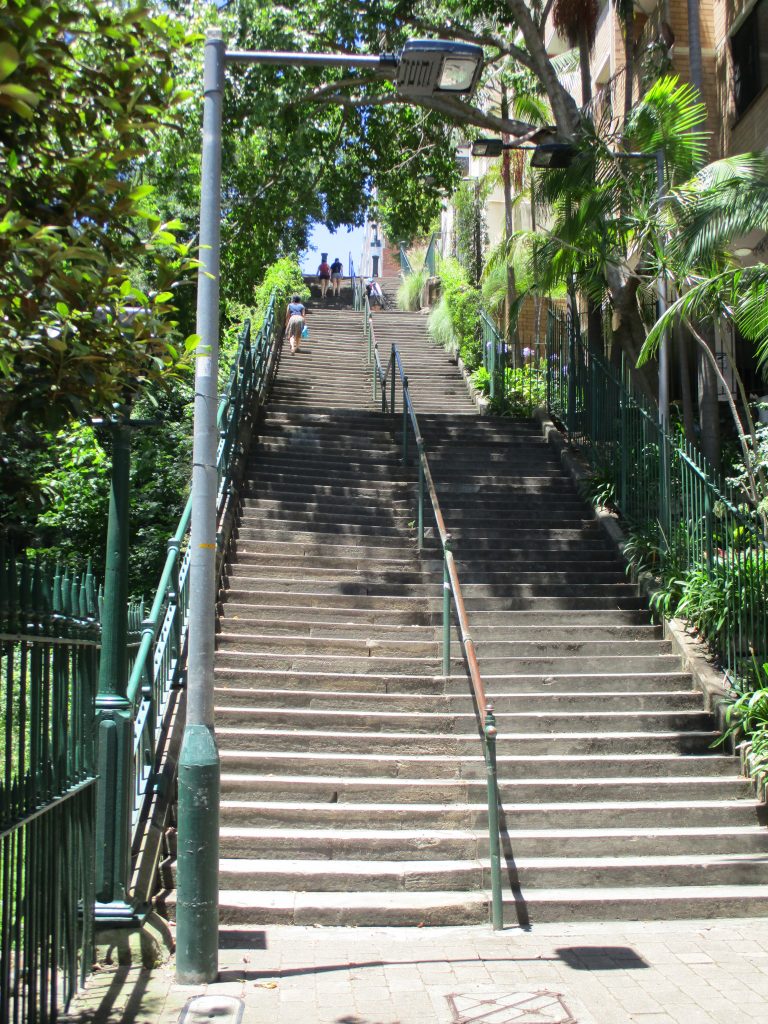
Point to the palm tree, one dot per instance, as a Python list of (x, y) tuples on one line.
[(625, 12), (606, 225), (577, 21)]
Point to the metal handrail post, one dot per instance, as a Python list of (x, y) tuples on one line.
[(446, 609), (114, 710), (497, 904), (406, 399), (421, 498), (392, 382), (492, 360), (570, 417)]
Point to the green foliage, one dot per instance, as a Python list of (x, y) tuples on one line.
[(293, 154), (410, 289), (284, 277), (84, 89), (440, 326), (747, 719), (524, 389), (463, 304), (75, 477), (599, 487), (729, 591), (471, 230)]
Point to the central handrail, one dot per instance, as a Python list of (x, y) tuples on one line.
[(451, 587)]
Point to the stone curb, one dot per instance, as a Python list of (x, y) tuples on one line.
[(477, 397), (691, 650)]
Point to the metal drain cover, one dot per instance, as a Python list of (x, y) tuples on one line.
[(221, 1009), (529, 1007)]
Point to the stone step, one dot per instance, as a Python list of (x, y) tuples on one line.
[(691, 741), (229, 698), (399, 908), (538, 873), (433, 816), (380, 789), (235, 622), (531, 722), (404, 663), (429, 644), (529, 874), (373, 682), (326, 598), (642, 903), (544, 766), (457, 844)]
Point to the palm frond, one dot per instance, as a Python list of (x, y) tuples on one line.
[(725, 199), (669, 118), (737, 294), (566, 63)]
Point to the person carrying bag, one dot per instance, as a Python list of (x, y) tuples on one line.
[(294, 322)]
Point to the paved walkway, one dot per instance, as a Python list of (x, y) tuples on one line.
[(701, 972)]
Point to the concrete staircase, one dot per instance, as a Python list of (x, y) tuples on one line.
[(352, 772)]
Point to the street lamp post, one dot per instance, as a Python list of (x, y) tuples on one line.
[(424, 67)]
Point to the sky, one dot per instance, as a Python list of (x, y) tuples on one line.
[(341, 244)]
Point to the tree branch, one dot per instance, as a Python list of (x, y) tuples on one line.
[(483, 38), (544, 15), (564, 108), (461, 113)]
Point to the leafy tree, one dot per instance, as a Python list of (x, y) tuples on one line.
[(88, 273)]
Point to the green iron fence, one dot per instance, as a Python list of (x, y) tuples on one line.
[(159, 668), (515, 378), (49, 641), (50, 627), (692, 527)]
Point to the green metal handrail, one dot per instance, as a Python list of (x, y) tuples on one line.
[(405, 263), (159, 666), (451, 593), (432, 256), (665, 487)]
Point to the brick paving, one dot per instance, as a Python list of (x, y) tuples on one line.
[(687, 972)]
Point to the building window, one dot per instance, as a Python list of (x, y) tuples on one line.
[(749, 47)]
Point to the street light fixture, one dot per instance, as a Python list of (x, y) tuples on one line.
[(424, 68), (547, 155), (429, 66)]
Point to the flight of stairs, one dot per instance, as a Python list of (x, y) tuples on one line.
[(353, 781)]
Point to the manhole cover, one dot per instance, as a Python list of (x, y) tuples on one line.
[(221, 1009), (510, 1008)]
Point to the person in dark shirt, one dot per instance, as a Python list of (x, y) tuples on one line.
[(337, 274)]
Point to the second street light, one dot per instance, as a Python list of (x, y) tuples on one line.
[(424, 68)]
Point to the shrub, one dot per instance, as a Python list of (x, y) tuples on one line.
[(440, 327), (525, 389), (463, 303), (409, 292)]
